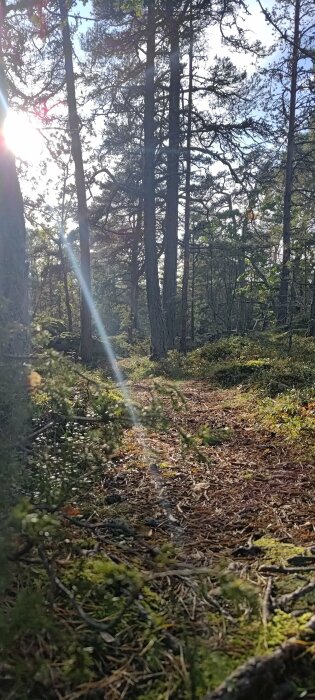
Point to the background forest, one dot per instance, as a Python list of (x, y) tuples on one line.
[(230, 123), (157, 358)]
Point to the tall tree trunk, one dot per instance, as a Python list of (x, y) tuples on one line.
[(13, 269), (13, 317), (134, 273), (312, 312), (171, 216), (289, 171), (158, 348), (184, 310), (192, 308), (241, 282), (76, 149)]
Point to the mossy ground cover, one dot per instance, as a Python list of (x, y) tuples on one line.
[(142, 573)]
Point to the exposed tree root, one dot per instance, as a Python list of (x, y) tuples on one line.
[(265, 677)]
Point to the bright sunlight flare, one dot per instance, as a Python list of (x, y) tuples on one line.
[(22, 136)]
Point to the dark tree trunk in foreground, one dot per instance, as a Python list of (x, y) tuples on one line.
[(76, 149), (312, 313), (13, 276), (186, 242), (13, 316), (13, 271), (151, 261), (289, 171), (171, 216)]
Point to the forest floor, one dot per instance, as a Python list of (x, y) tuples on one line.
[(154, 566), (221, 526), (248, 485)]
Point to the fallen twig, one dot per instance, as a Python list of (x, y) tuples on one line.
[(273, 569), (267, 606), (39, 431), (86, 419), (212, 601), (87, 379), (285, 600), (90, 621), (114, 525), (201, 571), (55, 580)]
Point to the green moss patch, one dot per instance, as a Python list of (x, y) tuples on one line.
[(277, 552)]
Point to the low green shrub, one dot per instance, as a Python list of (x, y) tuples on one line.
[(285, 375), (234, 373), (79, 417), (121, 345), (49, 324), (68, 343), (261, 361)]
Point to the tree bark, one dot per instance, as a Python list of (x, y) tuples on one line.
[(76, 149), (186, 242), (13, 268), (289, 172), (134, 273), (312, 312), (63, 264), (13, 316), (192, 308), (171, 216), (158, 347), (241, 282)]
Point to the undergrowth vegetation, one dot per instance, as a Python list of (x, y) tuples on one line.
[(97, 600), (275, 372)]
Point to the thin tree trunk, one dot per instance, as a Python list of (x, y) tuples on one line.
[(171, 216), (192, 308), (186, 242), (63, 264), (241, 283), (76, 149), (50, 286), (134, 273), (289, 172), (312, 312), (158, 348)]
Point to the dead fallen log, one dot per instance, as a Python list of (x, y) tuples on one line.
[(266, 677)]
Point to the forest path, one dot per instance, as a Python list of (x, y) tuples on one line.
[(161, 551), (251, 485)]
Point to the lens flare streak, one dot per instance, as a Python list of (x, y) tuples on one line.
[(140, 432)]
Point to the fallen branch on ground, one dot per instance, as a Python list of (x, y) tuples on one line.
[(285, 600), (89, 621), (263, 676), (114, 525), (272, 569), (201, 571), (39, 431)]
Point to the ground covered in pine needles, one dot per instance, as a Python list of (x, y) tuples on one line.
[(155, 568)]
